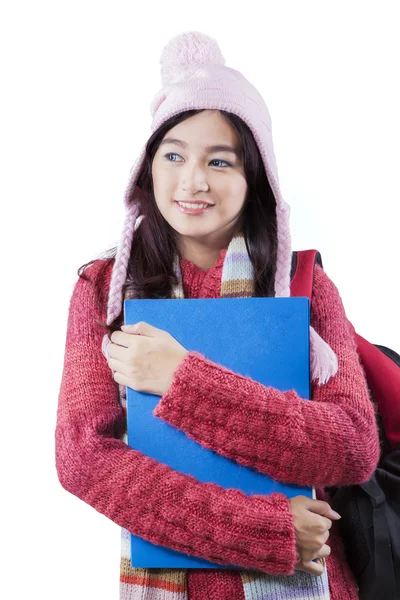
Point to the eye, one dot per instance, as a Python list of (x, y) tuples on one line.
[(221, 161), (169, 154)]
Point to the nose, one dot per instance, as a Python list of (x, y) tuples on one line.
[(193, 179)]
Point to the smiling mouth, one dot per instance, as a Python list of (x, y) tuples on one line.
[(194, 208), (195, 203)]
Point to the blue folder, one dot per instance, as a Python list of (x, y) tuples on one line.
[(266, 339)]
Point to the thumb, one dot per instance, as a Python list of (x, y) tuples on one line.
[(320, 507), (141, 328)]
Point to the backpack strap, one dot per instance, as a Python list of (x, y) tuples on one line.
[(384, 582), (382, 373), (303, 272), (383, 376)]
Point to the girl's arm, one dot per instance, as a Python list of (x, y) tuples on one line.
[(140, 494), (331, 440)]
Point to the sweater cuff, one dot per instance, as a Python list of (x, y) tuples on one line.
[(194, 376)]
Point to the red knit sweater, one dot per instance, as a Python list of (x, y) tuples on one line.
[(332, 440)]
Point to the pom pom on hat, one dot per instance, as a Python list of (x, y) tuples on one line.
[(185, 50)]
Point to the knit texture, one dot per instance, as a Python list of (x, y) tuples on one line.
[(151, 500)]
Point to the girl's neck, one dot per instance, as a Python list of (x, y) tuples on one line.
[(203, 261), (200, 255)]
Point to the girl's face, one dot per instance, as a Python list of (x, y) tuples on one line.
[(188, 165)]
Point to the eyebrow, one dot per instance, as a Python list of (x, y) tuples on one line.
[(209, 149)]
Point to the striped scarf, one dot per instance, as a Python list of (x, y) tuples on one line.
[(172, 584)]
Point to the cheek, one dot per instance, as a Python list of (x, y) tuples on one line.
[(161, 187), (234, 190), (163, 181)]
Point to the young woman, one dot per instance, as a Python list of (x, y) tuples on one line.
[(205, 219)]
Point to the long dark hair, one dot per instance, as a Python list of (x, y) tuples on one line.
[(150, 268)]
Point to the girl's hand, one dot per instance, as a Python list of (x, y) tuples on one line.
[(312, 522), (144, 357)]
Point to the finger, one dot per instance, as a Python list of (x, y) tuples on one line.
[(121, 338), (317, 551), (310, 567), (128, 382), (321, 552), (324, 552), (135, 346), (320, 507), (118, 352), (142, 328), (131, 328), (120, 378), (325, 524), (325, 536), (120, 367), (322, 562)]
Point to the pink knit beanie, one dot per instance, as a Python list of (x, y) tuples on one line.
[(194, 76)]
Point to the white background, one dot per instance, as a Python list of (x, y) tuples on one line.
[(77, 81)]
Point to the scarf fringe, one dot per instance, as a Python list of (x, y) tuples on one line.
[(323, 360)]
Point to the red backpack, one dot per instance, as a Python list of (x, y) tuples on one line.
[(370, 523)]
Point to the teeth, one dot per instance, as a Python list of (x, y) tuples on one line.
[(189, 205)]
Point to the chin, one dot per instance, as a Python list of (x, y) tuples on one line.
[(194, 229)]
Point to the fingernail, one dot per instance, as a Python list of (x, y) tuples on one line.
[(336, 514), (132, 327)]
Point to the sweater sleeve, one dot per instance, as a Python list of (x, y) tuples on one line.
[(331, 440), (140, 494)]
